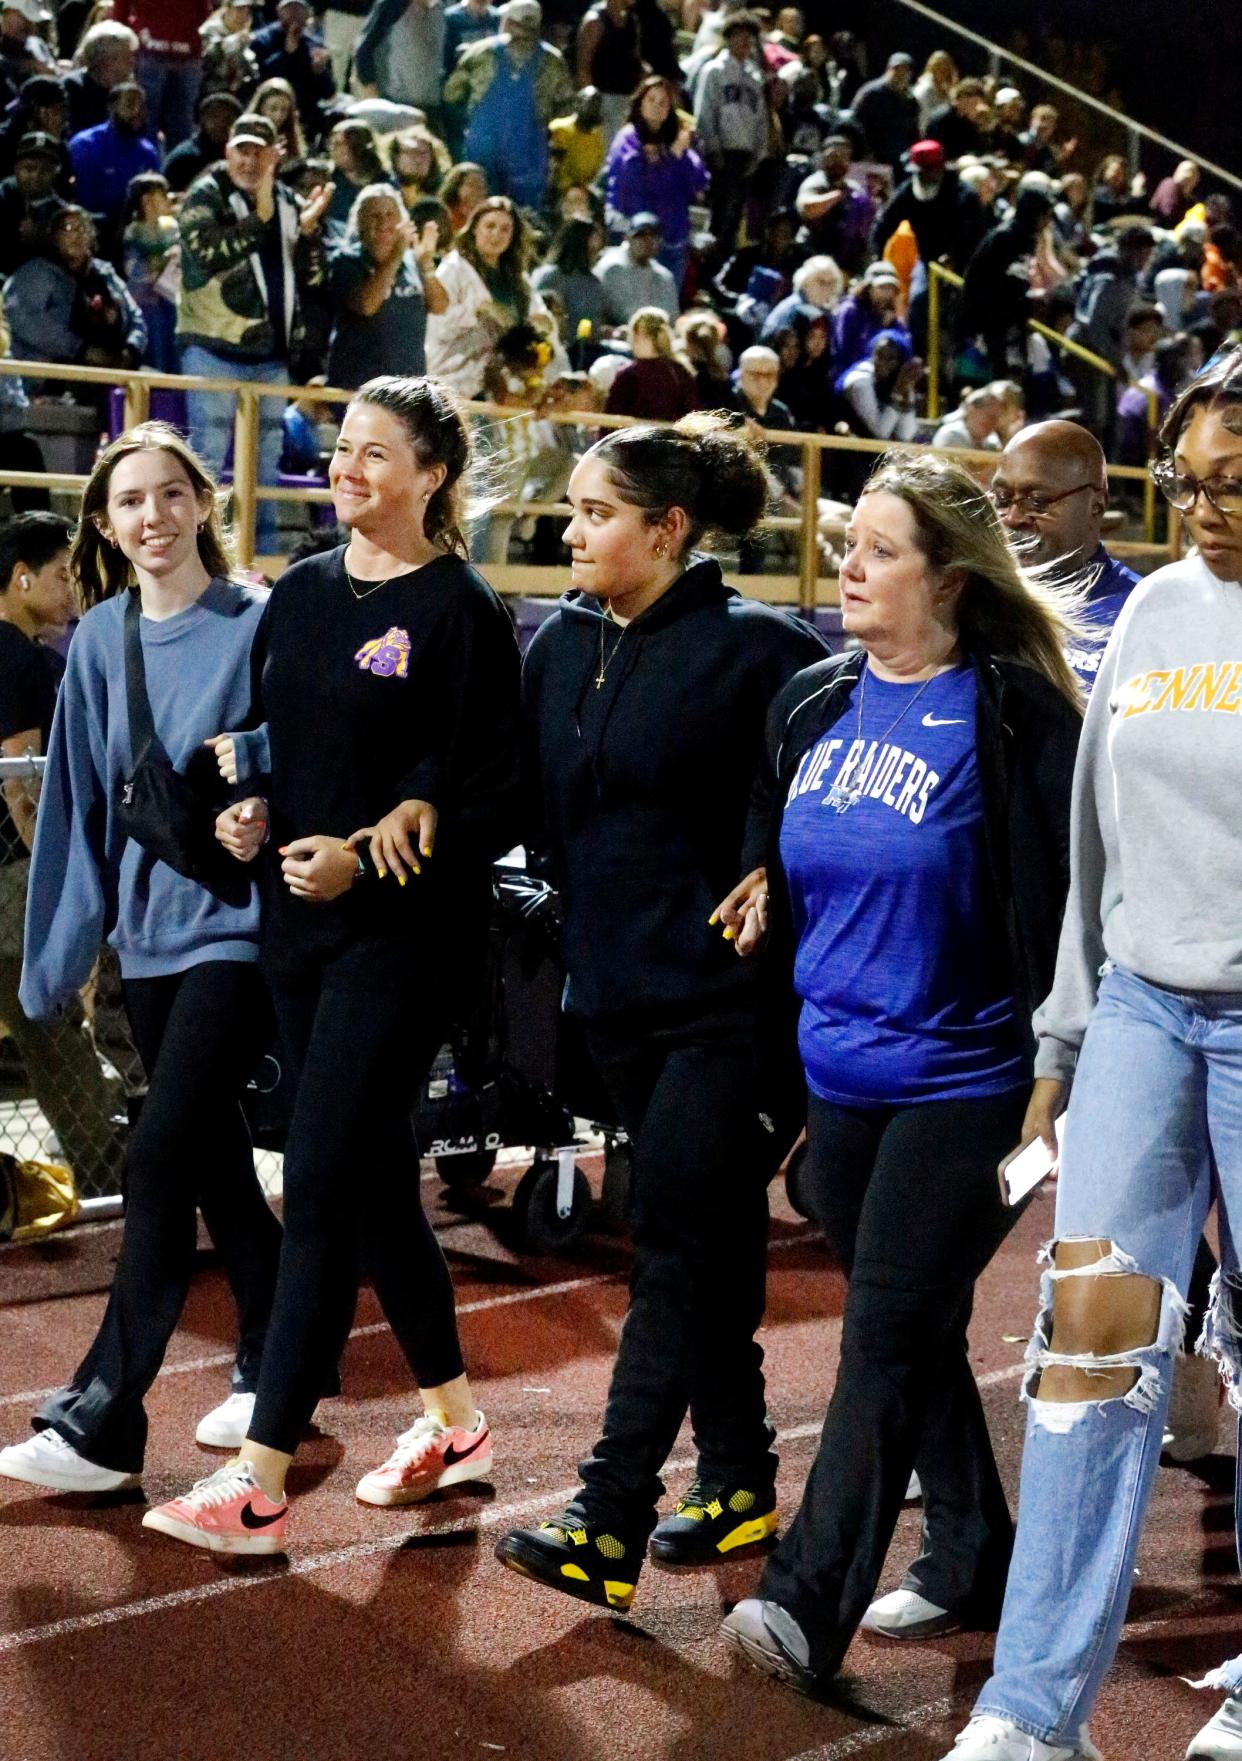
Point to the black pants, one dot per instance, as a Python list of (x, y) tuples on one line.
[(200, 1034), (686, 1096), (360, 1035), (909, 1198), (729, 190)]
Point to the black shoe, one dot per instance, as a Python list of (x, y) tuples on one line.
[(584, 1559), (714, 1518)]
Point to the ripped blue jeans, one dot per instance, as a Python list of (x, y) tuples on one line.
[(1154, 1122)]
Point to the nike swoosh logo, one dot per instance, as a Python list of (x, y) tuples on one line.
[(251, 1521), (452, 1456), (935, 721)]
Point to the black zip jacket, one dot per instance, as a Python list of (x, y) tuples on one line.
[(638, 790), (1026, 738)]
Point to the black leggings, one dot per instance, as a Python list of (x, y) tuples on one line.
[(359, 1044), (909, 1198), (200, 1035), (687, 1099)]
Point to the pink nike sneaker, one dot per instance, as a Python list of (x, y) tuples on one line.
[(228, 1512), (429, 1455)]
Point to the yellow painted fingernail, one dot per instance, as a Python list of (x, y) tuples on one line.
[(417, 870), (400, 880), (426, 850), (728, 935), (713, 920), (381, 872)]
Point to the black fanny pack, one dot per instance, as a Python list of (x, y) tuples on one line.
[(172, 813)]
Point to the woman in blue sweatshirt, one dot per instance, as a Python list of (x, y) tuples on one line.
[(645, 699), (151, 531)]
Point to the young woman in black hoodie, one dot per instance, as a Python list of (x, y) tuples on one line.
[(645, 699), (390, 691)]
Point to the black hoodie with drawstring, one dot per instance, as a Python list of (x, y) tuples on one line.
[(638, 787)]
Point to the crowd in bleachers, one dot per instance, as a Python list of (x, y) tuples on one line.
[(642, 207)]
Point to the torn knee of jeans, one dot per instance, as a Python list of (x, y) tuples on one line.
[(1150, 1363), (1221, 1338)]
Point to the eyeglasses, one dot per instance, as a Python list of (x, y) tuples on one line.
[(1181, 490), (1031, 501)]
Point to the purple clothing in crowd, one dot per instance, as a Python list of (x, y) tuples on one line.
[(854, 327), (665, 187)]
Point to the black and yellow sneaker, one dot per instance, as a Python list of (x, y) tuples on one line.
[(714, 1518), (582, 1558)]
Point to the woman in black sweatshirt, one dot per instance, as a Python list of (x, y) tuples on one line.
[(644, 700), (390, 692)]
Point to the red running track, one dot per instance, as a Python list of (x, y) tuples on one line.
[(394, 1635)]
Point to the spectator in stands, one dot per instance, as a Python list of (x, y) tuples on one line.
[(1173, 195), (956, 124), (756, 382), (1071, 219), (1041, 150), (653, 169), (229, 63), (39, 108), (933, 89), (512, 86), (878, 393), (28, 202), (997, 299), (169, 65), (1109, 288), (817, 283), (577, 144), (973, 424), (466, 22), (777, 251), (806, 122), (356, 163), (655, 384), (382, 282), (864, 313), (568, 279), (610, 59), (341, 23), (106, 54), (1144, 328), (217, 112), (23, 52), (944, 214), (836, 214), (151, 242), (632, 276), (887, 112), (289, 49), (276, 100), (106, 158), (73, 306), (1169, 374), (400, 54), (731, 116), (1116, 192), (488, 294), (250, 252), (1009, 120), (803, 343), (464, 187)]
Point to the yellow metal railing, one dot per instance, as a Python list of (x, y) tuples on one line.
[(807, 589)]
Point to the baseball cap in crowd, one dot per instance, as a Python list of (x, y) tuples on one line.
[(523, 15), (899, 58), (926, 156), (1006, 95), (880, 271), (38, 146), (645, 222), (255, 130)]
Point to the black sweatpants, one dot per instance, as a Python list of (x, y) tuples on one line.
[(909, 1198), (200, 1035), (686, 1096), (360, 1034)]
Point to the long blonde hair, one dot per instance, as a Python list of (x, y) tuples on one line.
[(101, 569), (1005, 610)]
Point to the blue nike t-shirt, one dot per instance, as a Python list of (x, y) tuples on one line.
[(901, 962)]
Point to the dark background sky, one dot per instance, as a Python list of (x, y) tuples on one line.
[(1176, 65)]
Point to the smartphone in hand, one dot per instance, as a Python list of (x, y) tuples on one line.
[(1022, 1171)]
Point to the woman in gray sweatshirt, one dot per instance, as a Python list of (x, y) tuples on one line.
[(151, 532), (1145, 1020)]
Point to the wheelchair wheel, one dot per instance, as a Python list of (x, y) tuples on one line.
[(471, 1169), (539, 1226)]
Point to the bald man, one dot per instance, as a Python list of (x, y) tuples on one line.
[(1051, 491)]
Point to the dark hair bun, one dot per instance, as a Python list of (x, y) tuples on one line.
[(736, 487)]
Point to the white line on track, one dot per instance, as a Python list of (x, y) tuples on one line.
[(317, 1562)]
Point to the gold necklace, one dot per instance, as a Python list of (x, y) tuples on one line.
[(374, 588), (602, 674)]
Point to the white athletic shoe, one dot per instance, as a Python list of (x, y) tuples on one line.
[(1221, 1737), (1193, 1422), (226, 1426), (996, 1739), (914, 1491), (47, 1460), (903, 1614)]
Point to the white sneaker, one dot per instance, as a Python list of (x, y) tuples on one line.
[(1221, 1737), (903, 1614), (996, 1739), (914, 1491), (47, 1460), (1193, 1422), (226, 1426)]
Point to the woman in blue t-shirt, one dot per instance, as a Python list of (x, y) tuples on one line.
[(918, 867)]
